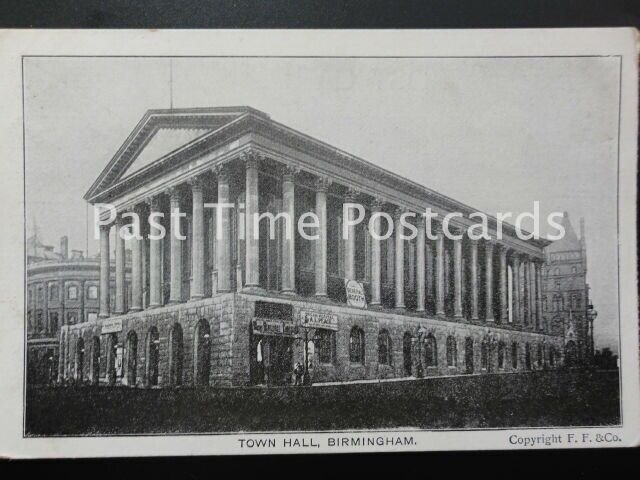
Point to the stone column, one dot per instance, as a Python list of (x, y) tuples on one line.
[(175, 289), (474, 279), (197, 239), (457, 276), (252, 245), (539, 295), (223, 231), (155, 257), (439, 271), (533, 295), (136, 270), (399, 275), (120, 263), (376, 297), (105, 271), (350, 241), (489, 281), (515, 315), (504, 285), (288, 241), (322, 185), (420, 265)]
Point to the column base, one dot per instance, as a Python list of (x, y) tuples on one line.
[(490, 320), (376, 306), (197, 296), (252, 289), (288, 292), (400, 309), (135, 309), (104, 315), (458, 316)]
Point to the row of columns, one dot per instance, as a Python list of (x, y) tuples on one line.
[(223, 279)]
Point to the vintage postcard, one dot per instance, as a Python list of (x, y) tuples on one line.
[(255, 242)]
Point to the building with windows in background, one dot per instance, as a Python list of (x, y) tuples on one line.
[(567, 307), (62, 289), (223, 306)]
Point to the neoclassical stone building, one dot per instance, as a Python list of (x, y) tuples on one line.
[(223, 306)]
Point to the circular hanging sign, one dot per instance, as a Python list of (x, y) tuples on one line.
[(355, 294)]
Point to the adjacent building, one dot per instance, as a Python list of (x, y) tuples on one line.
[(219, 305), (566, 303), (62, 289)]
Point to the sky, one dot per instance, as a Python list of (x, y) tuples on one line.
[(494, 133)]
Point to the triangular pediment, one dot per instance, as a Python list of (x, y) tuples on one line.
[(161, 132), (163, 142)]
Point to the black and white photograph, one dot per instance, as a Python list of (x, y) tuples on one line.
[(356, 248)]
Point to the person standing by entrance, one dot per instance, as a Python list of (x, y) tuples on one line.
[(298, 371)]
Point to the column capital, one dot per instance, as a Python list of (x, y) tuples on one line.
[(153, 202), (399, 211), (352, 194), (196, 182), (322, 183), (106, 227), (173, 191), (437, 227), (221, 171), (251, 157), (377, 204), (289, 172)]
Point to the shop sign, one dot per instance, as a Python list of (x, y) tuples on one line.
[(112, 326), (274, 327), (326, 321), (355, 294)]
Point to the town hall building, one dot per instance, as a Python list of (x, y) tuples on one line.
[(218, 305)]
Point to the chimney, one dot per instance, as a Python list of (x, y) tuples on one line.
[(64, 247), (77, 255)]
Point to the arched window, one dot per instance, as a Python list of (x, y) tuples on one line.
[(325, 344), (545, 306), (406, 353), (570, 353), (452, 351), (514, 355), (468, 354), (552, 357), (484, 355), (384, 348), (202, 353), (501, 349), (356, 345), (79, 359), (574, 270), (175, 355), (430, 351), (53, 292), (540, 356), (112, 346), (153, 356), (95, 361), (132, 358), (527, 356)]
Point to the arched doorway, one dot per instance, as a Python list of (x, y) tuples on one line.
[(95, 361), (176, 352), (112, 345), (153, 356), (132, 358), (406, 354), (570, 354), (79, 359), (202, 353), (468, 355)]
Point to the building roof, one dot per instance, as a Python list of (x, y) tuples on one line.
[(570, 241), (159, 134)]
